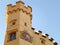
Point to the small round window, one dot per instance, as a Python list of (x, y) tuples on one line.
[(13, 22)]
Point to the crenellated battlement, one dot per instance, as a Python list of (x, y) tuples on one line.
[(45, 36), (19, 6)]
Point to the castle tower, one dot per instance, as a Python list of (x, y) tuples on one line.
[(18, 24), (19, 30)]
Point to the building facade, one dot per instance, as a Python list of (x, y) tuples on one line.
[(19, 30)]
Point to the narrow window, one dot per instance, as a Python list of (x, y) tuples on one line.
[(25, 24), (42, 40)]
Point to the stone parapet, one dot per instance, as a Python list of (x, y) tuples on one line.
[(19, 6), (45, 36)]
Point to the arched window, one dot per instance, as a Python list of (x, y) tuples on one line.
[(12, 36)]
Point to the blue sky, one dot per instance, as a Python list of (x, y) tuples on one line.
[(46, 17)]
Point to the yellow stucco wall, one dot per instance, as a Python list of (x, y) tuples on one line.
[(22, 14)]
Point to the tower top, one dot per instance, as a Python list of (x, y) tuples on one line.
[(19, 6)]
